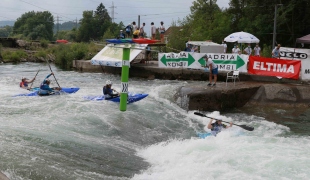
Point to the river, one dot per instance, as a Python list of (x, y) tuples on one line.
[(68, 137)]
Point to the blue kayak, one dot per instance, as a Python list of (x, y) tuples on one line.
[(131, 98), (62, 91), (204, 135)]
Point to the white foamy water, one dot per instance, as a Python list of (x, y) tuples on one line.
[(68, 137), (234, 154)]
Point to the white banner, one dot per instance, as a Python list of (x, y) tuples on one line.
[(112, 55), (225, 62), (298, 54)]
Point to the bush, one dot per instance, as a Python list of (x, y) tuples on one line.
[(44, 43), (266, 51), (14, 56), (40, 54)]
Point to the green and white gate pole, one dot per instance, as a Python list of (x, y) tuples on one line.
[(124, 78)]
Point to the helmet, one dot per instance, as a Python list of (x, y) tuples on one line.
[(108, 82)]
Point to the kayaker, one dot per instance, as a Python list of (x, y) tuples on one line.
[(45, 88), (108, 91), (217, 126), (24, 83)]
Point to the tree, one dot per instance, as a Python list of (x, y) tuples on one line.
[(35, 25), (5, 31), (94, 24)]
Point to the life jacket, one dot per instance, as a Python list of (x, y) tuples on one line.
[(107, 91), (23, 83), (216, 128)]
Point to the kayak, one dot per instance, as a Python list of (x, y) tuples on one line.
[(145, 41), (119, 41), (132, 97), (204, 135), (62, 91)]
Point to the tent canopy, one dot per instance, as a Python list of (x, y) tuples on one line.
[(304, 39), (241, 37)]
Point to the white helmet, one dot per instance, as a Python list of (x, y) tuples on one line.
[(108, 82)]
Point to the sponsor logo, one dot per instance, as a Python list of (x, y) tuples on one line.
[(274, 67), (293, 55)]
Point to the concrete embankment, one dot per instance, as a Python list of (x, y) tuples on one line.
[(251, 90), (221, 98)]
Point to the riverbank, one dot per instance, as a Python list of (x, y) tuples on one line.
[(251, 90)]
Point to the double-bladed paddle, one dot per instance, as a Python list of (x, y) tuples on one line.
[(242, 126), (52, 72), (32, 81)]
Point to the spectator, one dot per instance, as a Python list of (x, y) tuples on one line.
[(148, 53), (121, 35), (135, 30), (128, 30), (194, 48), (162, 31), (224, 46), (213, 70), (276, 51), (153, 31), (257, 50), (248, 50), (187, 48), (134, 26), (235, 50), (142, 30)]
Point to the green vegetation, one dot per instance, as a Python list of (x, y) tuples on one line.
[(35, 26), (205, 22), (14, 56), (208, 22)]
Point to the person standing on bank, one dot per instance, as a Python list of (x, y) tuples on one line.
[(248, 50), (162, 30), (257, 50), (141, 33), (153, 31), (224, 46), (276, 51), (217, 126), (235, 50), (213, 70)]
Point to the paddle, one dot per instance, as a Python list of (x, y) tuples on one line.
[(242, 126), (32, 81), (52, 72)]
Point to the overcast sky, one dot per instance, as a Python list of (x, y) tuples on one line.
[(125, 10)]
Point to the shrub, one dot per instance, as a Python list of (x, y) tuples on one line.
[(40, 54), (44, 43)]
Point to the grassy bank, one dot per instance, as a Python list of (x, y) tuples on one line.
[(61, 54)]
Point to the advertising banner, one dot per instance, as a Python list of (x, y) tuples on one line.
[(274, 67), (298, 54), (225, 62), (111, 55)]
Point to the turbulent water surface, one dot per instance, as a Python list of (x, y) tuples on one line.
[(67, 137)]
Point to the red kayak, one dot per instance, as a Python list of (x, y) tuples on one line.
[(145, 41)]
